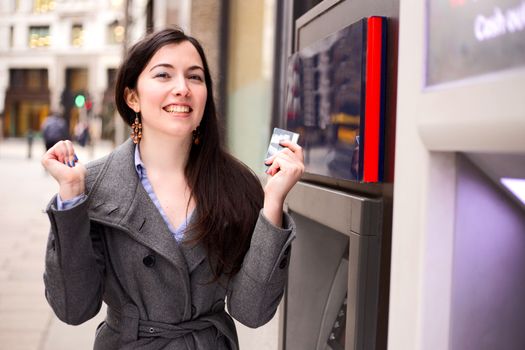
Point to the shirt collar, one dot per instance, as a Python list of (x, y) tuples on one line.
[(139, 165)]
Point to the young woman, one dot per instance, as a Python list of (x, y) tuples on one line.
[(169, 225)]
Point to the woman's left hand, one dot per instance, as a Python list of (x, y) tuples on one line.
[(285, 168)]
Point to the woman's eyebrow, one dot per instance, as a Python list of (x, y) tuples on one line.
[(196, 67), (167, 65)]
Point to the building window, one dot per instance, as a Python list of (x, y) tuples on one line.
[(115, 33), (39, 36), (77, 35), (42, 6), (28, 79)]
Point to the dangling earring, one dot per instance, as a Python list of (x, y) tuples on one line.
[(136, 130), (196, 136)]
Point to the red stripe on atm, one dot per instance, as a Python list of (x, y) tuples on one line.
[(372, 99)]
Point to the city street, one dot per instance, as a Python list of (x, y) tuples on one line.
[(28, 322)]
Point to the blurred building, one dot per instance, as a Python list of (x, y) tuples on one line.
[(58, 55)]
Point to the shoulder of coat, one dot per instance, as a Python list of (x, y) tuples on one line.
[(93, 169)]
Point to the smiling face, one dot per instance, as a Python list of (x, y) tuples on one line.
[(171, 92)]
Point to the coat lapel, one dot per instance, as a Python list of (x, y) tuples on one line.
[(147, 226), (193, 253), (120, 200)]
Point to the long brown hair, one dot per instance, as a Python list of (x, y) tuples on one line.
[(228, 194)]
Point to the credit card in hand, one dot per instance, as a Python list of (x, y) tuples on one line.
[(278, 136)]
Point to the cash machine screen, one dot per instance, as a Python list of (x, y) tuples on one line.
[(468, 38), (335, 101)]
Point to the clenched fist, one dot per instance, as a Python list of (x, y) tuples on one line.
[(62, 163)]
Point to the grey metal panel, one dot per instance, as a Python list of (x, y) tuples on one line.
[(338, 210), (315, 258), (314, 268), (328, 223), (366, 218), (320, 22), (363, 281), (315, 12)]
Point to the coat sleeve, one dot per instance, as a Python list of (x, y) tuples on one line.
[(74, 265), (256, 291)]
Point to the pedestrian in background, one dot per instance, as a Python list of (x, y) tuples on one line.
[(169, 224), (82, 134), (54, 129)]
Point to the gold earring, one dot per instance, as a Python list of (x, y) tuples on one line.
[(196, 136), (136, 130)]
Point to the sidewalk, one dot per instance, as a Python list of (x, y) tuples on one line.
[(28, 322)]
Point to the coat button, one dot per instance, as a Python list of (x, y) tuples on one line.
[(282, 265), (149, 260), (287, 250)]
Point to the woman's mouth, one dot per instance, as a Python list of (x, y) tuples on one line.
[(177, 109)]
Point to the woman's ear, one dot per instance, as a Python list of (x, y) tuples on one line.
[(132, 99)]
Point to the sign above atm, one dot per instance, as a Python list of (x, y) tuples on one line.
[(470, 38)]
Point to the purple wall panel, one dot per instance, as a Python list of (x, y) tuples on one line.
[(488, 286)]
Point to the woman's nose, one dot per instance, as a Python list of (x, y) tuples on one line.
[(180, 87)]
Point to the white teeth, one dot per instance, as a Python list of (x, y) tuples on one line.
[(177, 109)]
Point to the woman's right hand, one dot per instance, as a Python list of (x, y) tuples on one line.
[(62, 163)]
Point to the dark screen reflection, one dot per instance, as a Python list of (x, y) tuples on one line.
[(325, 101)]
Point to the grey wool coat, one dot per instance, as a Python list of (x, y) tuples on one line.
[(115, 247)]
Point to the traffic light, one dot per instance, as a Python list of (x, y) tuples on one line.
[(80, 100)]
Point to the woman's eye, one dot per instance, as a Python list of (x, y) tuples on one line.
[(162, 75), (196, 77)]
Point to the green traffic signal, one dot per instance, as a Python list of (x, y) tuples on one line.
[(80, 100)]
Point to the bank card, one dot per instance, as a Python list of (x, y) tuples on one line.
[(279, 135)]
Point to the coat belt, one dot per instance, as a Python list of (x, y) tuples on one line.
[(158, 329), (131, 327)]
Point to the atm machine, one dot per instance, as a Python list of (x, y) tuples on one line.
[(461, 223), (337, 292), (456, 106)]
